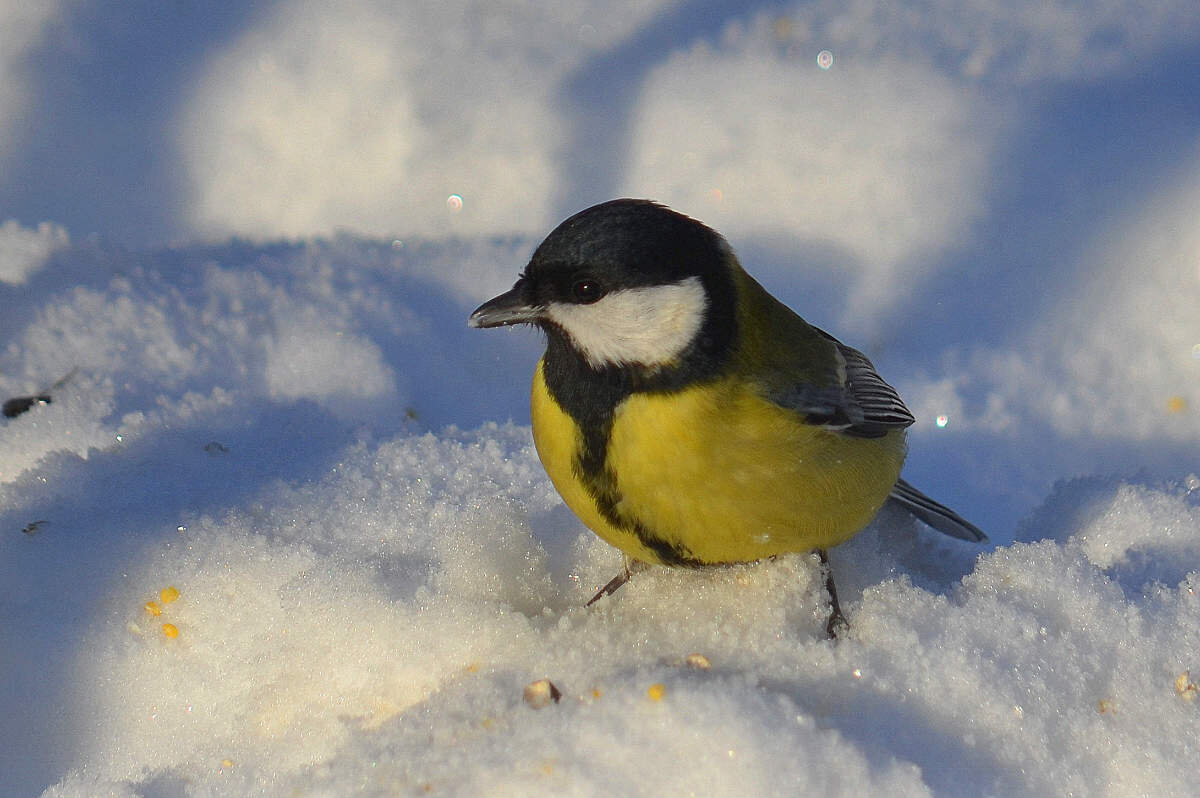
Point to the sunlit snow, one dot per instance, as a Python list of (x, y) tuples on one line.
[(271, 522)]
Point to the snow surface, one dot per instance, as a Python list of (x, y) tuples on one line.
[(365, 592), (304, 439)]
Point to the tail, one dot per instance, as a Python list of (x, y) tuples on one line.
[(937, 515)]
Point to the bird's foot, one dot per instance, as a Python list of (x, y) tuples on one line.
[(837, 621), (630, 568)]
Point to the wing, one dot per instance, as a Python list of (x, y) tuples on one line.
[(870, 405), (807, 370), (846, 395), (934, 513)]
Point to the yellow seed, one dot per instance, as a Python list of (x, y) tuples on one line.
[(596, 693), (1185, 687), (170, 630), (169, 594), (698, 661), (1106, 707), (153, 609), (541, 694), (656, 691), (226, 763)]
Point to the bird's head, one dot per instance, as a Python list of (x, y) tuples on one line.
[(627, 284)]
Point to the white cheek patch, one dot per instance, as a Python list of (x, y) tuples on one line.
[(649, 326)]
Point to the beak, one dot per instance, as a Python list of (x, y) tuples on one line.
[(511, 307)]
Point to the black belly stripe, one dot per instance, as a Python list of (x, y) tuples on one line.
[(601, 483), (668, 553), (603, 489), (591, 398)]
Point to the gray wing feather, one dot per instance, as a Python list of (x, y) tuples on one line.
[(863, 405), (934, 513), (879, 403)]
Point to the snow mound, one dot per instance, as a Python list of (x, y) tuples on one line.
[(373, 632)]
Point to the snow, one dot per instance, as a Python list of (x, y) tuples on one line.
[(365, 592), (879, 201), (373, 115), (24, 251), (296, 430)]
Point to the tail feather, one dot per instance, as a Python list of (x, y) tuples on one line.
[(934, 513)]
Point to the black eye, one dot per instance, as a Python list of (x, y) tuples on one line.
[(587, 291)]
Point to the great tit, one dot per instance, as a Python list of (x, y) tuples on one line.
[(687, 416)]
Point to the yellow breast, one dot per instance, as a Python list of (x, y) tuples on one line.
[(719, 474)]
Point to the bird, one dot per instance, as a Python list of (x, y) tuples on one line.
[(687, 416)]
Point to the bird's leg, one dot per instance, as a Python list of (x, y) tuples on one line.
[(630, 568), (837, 621)]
